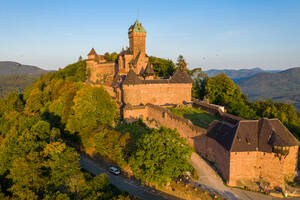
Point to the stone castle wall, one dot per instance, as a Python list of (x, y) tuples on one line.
[(155, 116), (216, 110), (235, 167), (100, 71), (211, 150), (158, 94), (210, 108), (268, 166)]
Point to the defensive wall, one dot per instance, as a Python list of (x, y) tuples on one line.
[(100, 71), (235, 167), (156, 93), (155, 116), (216, 110)]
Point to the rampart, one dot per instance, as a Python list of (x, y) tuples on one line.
[(216, 110), (155, 116)]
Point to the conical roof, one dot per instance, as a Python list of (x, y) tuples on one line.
[(181, 77), (149, 70), (92, 52), (132, 78)]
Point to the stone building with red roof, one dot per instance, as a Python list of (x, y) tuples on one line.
[(252, 150)]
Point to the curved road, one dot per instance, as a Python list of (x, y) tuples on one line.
[(208, 179), (123, 183)]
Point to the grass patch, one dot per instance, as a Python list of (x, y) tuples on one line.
[(197, 116)]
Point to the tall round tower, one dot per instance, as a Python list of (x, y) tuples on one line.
[(137, 39)]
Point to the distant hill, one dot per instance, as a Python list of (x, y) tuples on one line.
[(15, 82), (16, 77), (237, 74), (9, 68), (283, 86)]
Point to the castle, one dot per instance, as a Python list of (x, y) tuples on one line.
[(131, 79), (240, 149)]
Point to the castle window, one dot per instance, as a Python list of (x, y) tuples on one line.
[(281, 150)]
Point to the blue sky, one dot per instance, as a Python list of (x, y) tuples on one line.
[(209, 34)]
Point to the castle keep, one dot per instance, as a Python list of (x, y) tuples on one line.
[(131, 79)]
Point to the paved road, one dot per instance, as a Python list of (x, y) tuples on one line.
[(209, 180), (124, 183)]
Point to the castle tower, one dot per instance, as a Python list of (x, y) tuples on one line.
[(137, 39), (92, 54)]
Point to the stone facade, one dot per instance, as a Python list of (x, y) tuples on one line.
[(159, 94), (270, 167), (131, 80), (252, 150), (245, 158)]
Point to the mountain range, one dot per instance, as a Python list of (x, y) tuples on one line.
[(9, 68), (258, 84), (16, 77), (282, 86), (238, 74)]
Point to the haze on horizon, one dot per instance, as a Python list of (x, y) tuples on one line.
[(209, 34)]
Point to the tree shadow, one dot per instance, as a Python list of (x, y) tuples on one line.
[(55, 121)]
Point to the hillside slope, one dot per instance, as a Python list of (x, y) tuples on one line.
[(15, 82), (237, 74), (283, 86), (16, 77), (9, 68)]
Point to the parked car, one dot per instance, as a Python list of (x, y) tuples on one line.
[(114, 170)]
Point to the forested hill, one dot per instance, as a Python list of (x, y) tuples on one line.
[(237, 74), (282, 87), (16, 77), (9, 68)]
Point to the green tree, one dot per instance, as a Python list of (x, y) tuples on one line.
[(161, 155), (181, 63), (34, 102), (27, 178), (111, 56), (75, 72), (162, 67), (221, 90), (112, 144), (92, 108), (199, 83), (12, 102)]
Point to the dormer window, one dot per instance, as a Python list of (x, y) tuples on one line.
[(248, 141)]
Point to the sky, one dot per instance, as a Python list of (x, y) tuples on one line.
[(219, 34)]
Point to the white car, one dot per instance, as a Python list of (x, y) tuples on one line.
[(114, 170)]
